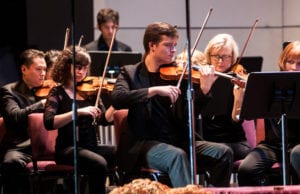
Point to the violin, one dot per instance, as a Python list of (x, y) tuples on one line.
[(174, 72), (91, 84), (45, 88)]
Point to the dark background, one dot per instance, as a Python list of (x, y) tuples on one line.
[(40, 24)]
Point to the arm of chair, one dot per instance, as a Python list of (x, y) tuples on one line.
[(2, 129)]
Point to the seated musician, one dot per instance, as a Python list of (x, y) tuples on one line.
[(59, 115), (158, 116), (219, 122), (253, 169), (17, 101)]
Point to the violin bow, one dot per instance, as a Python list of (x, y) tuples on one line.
[(195, 45), (246, 44), (105, 67), (80, 40), (67, 35)]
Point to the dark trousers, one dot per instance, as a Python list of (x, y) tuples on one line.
[(14, 173), (217, 159), (90, 163), (252, 171)]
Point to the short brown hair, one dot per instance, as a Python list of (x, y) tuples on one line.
[(107, 14), (155, 31)]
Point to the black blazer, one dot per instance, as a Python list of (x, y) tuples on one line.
[(130, 92)]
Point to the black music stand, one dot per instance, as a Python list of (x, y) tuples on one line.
[(273, 95)]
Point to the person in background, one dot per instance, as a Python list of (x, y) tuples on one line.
[(17, 101), (50, 57), (253, 170), (197, 58), (58, 115), (158, 116), (107, 21)]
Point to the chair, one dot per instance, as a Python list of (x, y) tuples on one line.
[(43, 168), (2, 133), (2, 129), (120, 124)]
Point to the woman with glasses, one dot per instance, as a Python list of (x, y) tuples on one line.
[(223, 98)]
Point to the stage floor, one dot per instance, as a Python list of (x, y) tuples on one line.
[(289, 189)]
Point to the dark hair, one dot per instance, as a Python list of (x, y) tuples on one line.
[(51, 56), (107, 14), (155, 31), (62, 68), (27, 56)]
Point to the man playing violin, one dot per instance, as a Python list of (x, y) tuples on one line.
[(159, 131), (219, 120), (17, 101)]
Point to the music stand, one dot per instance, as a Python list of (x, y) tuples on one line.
[(116, 61), (273, 95)]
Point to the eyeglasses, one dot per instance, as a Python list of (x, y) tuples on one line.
[(291, 62), (223, 57)]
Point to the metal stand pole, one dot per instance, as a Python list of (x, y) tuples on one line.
[(190, 94)]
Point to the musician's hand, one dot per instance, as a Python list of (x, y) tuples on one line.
[(171, 91), (89, 110), (238, 92), (207, 77)]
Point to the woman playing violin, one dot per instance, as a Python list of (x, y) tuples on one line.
[(222, 97), (253, 170), (58, 114)]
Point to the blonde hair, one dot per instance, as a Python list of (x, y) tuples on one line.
[(197, 58), (222, 41)]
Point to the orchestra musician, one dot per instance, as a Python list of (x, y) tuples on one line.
[(17, 101), (58, 114), (219, 123), (252, 171), (107, 20), (51, 57), (158, 136)]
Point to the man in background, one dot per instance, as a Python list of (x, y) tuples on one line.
[(107, 21)]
